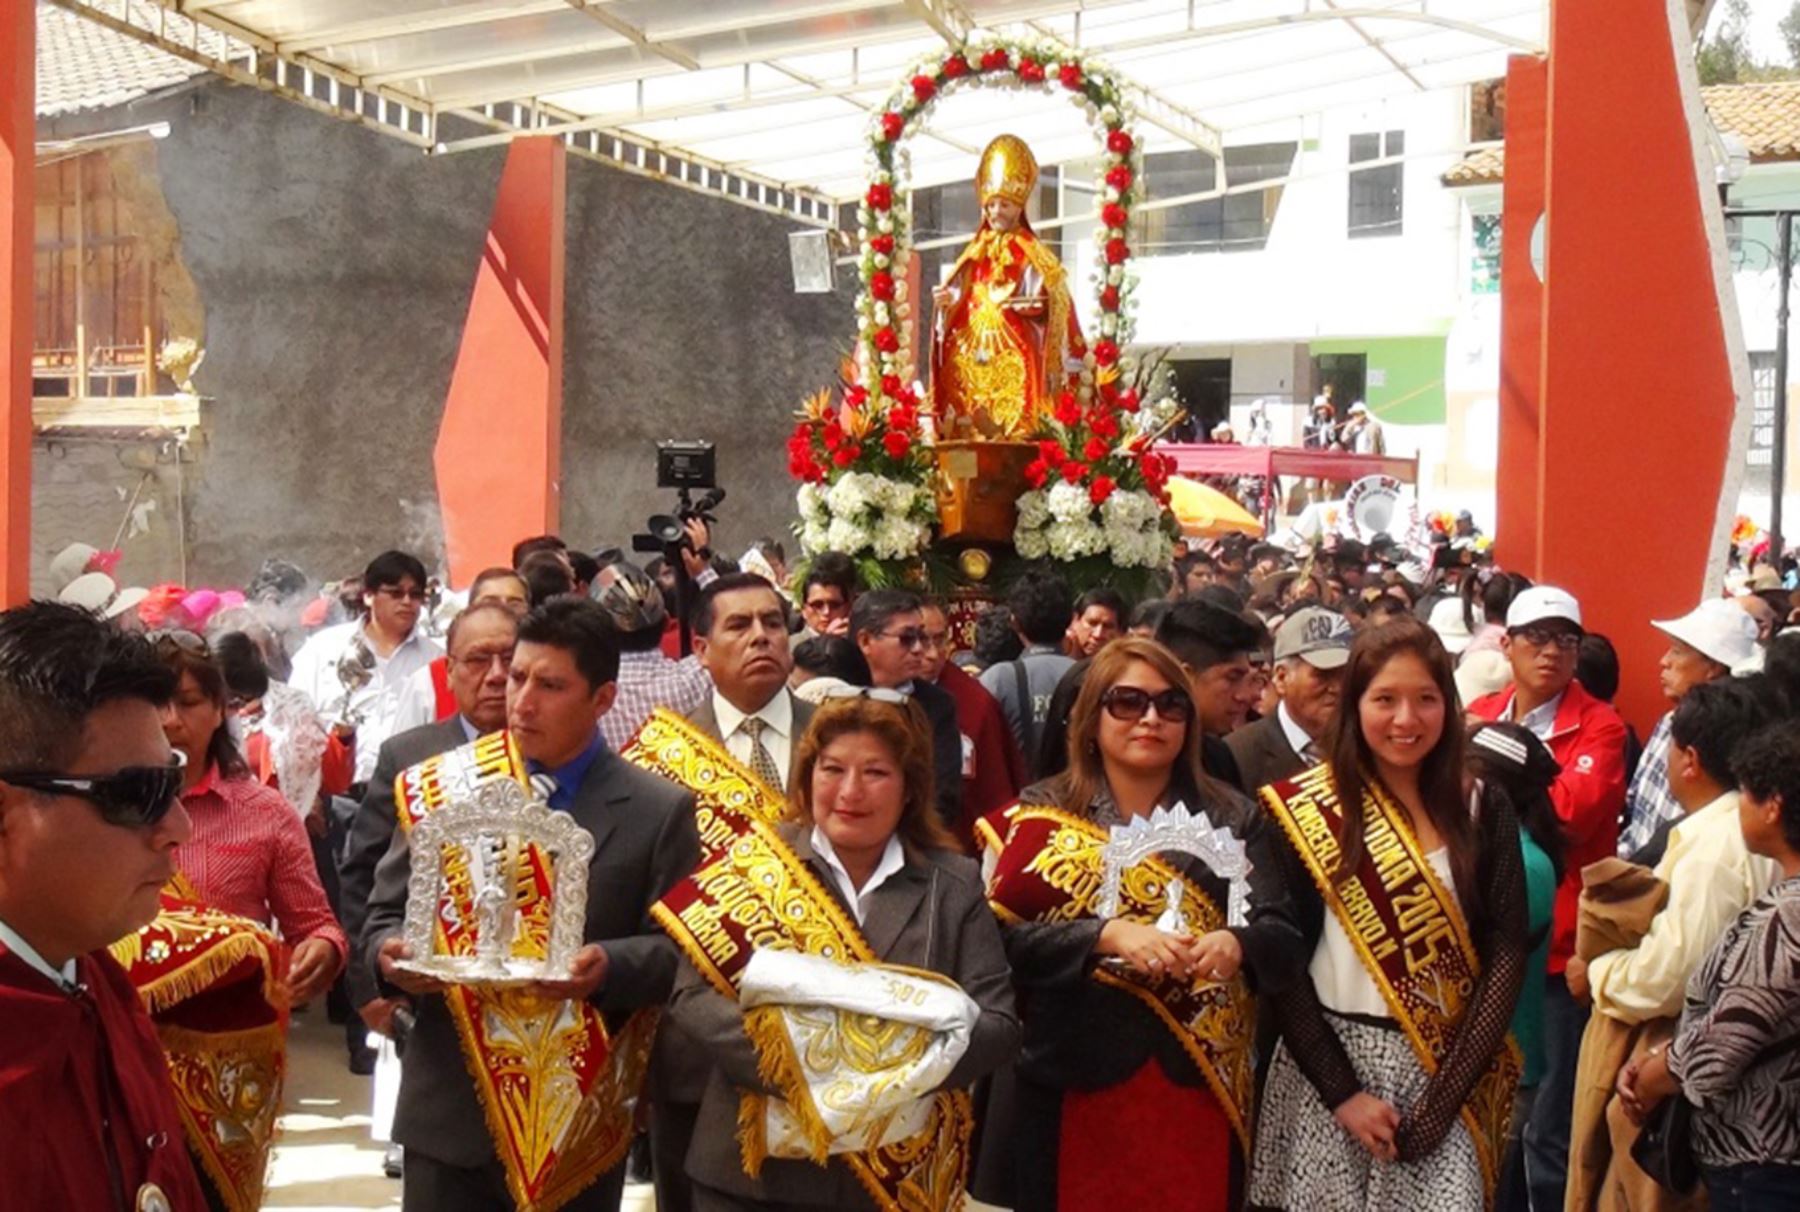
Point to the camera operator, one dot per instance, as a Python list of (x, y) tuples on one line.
[(648, 679)]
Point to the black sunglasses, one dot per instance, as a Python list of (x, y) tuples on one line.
[(1127, 704), (131, 797), (170, 640)]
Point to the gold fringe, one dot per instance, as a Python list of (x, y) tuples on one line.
[(199, 974), (780, 1068), (752, 1132)]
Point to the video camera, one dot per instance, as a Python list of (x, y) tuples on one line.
[(685, 467)]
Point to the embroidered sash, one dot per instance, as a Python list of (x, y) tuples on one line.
[(752, 892), (1044, 865), (1410, 935), (211, 983), (555, 1085)]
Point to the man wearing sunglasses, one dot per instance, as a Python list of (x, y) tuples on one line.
[(1587, 738), (888, 627), (90, 816)]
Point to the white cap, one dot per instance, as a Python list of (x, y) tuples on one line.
[(70, 563), (1718, 630), (1359, 409), (1541, 603), (97, 592), (1482, 673), (1447, 620)]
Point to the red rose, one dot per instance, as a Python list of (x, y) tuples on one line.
[(1117, 250), (892, 124), (1073, 471), (896, 444), (1128, 400), (902, 417), (1105, 352), (889, 385), (1051, 451), (1119, 143), (1119, 177), (843, 456), (905, 395), (1095, 450), (1068, 412), (1070, 75), (881, 284), (1100, 489), (1109, 299), (1103, 423), (883, 244), (955, 67), (834, 434), (995, 60), (1036, 472), (856, 396), (923, 87), (1031, 71), (886, 341), (881, 195), (1113, 215)]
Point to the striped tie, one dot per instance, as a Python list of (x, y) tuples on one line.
[(543, 786), (760, 760)]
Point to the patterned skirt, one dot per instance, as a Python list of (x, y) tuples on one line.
[(1306, 1162)]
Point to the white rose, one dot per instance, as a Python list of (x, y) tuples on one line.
[(1069, 502), (1115, 275), (881, 313), (882, 261), (846, 536), (1109, 326), (885, 224)]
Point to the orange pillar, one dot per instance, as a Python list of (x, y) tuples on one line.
[(1638, 393), (1521, 317), (499, 447), (18, 85)]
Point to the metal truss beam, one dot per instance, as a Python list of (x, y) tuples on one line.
[(597, 10)]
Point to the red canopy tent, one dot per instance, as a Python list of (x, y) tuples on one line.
[(1228, 459)]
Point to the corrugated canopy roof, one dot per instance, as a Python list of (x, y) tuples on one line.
[(777, 94)]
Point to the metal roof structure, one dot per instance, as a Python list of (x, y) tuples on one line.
[(769, 102)]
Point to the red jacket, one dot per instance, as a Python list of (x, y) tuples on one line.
[(993, 771), (1588, 740)]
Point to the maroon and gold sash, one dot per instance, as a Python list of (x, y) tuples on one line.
[(554, 1084), (751, 891), (1046, 865), (212, 984), (1410, 934)]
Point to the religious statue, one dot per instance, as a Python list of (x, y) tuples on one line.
[(1005, 330)]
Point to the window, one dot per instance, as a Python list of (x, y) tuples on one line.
[(1762, 413), (1238, 222), (1484, 255), (1375, 193)]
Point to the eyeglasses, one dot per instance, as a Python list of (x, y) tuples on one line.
[(401, 595), (171, 640), (1128, 704), (1544, 637), (484, 661), (826, 606), (132, 797), (879, 694), (911, 637)]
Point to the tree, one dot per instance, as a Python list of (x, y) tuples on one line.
[(1790, 33), (1724, 58)]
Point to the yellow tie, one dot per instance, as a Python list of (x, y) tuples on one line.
[(760, 761)]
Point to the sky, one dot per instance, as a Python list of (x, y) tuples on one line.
[(1765, 39)]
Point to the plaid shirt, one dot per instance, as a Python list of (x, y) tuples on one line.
[(249, 855), (1649, 805), (648, 680)]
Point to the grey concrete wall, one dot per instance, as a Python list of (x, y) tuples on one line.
[(334, 266)]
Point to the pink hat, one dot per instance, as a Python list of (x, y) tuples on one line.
[(231, 599), (199, 605)]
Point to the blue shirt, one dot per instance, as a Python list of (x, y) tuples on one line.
[(568, 776)]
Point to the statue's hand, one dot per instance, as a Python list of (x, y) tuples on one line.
[(944, 297)]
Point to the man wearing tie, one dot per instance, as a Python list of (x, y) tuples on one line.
[(741, 639)]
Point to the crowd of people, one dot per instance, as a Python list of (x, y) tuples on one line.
[(1455, 938)]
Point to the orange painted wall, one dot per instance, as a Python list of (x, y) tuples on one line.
[(1521, 316), (1637, 392), (18, 86), (499, 447)]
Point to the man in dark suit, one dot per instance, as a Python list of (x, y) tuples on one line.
[(888, 627), (480, 646), (1214, 645), (563, 678), (1311, 649), (741, 639)]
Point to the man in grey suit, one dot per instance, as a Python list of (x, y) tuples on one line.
[(563, 678), (741, 639), (1311, 649)]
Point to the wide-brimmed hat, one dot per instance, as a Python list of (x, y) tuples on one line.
[(1719, 630), (99, 593)]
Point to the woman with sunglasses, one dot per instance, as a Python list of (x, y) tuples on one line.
[(1393, 1082), (1134, 1083), (249, 854), (842, 973)]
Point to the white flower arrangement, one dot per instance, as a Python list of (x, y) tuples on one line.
[(861, 512), (1063, 523)]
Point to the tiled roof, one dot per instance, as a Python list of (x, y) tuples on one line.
[(1765, 116), (82, 64)]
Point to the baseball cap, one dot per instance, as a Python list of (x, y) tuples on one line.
[(630, 598), (1317, 636), (1447, 620), (1542, 603), (1717, 629)]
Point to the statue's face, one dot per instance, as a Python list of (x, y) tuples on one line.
[(1001, 214)]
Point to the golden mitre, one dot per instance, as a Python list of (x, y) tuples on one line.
[(1008, 170)]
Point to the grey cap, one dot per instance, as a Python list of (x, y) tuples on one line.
[(1317, 636)]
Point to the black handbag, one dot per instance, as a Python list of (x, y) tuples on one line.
[(1665, 1148)]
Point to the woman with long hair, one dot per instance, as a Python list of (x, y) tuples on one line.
[(249, 854), (1136, 965), (833, 960), (1394, 1079)]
